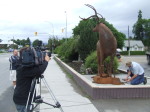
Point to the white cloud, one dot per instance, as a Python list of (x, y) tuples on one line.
[(21, 18)]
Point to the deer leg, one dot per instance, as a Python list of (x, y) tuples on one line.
[(99, 58), (107, 66), (99, 65), (111, 65)]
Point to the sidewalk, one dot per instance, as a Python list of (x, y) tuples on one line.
[(67, 93)]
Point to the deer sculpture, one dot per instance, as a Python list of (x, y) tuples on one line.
[(106, 45)]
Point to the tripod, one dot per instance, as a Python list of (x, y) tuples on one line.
[(37, 99)]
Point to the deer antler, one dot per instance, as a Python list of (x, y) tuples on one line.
[(100, 15), (87, 18), (96, 14), (92, 8)]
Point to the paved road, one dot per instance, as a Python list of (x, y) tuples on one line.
[(6, 89)]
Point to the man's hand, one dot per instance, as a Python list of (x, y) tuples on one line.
[(47, 58), (129, 80)]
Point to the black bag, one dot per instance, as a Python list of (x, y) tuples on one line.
[(28, 58)]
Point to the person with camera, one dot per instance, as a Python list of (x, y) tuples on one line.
[(25, 75), (14, 59)]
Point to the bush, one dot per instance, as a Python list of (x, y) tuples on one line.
[(115, 64), (91, 62), (133, 53), (68, 50)]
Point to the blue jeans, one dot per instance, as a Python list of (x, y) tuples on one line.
[(21, 108), (137, 80)]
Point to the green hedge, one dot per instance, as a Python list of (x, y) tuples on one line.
[(133, 53)]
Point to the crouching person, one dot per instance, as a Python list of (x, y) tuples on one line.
[(135, 74)]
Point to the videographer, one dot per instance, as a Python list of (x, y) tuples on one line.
[(25, 75)]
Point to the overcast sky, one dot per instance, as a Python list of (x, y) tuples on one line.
[(21, 18)]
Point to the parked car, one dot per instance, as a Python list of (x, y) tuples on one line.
[(10, 50), (118, 55)]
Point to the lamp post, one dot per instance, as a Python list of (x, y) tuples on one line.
[(52, 34), (66, 23)]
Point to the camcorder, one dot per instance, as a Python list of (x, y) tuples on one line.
[(34, 56)]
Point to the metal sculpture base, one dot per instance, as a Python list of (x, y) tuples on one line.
[(107, 80)]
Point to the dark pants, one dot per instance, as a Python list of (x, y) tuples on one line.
[(21, 108), (137, 80)]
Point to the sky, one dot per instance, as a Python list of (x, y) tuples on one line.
[(19, 19)]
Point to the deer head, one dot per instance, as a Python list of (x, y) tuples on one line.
[(93, 16)]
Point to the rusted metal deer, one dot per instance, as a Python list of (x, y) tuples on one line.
[(106, 45)]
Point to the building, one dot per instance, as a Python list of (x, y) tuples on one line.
[(5, 43), (135, 45)]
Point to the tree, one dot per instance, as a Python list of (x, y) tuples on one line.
[(36, 43), (22, 42), (53, 43), (141, 29), (146, 30), (28, 42), (1, 40), (138, 27), (88, 38), (140, 15)]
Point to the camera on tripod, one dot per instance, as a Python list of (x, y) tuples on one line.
[(34, 56)]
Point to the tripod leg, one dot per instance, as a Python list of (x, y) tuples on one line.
[(57, 104), (28, 107)]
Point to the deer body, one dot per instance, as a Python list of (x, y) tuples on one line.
[(106, 46)]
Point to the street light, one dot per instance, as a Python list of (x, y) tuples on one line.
[(66, 23)]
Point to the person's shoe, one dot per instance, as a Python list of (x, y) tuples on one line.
[(145, 81)]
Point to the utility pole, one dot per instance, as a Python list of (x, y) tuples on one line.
[(128, 43), (13, 42)]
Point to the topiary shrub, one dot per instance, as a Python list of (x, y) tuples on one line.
[(91, 62)]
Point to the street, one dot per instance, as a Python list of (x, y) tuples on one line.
[(6, 88)]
